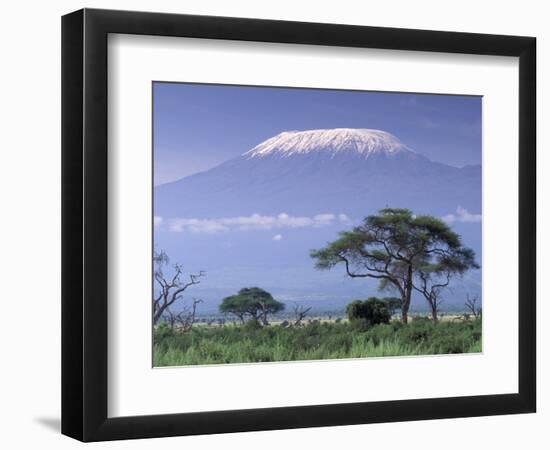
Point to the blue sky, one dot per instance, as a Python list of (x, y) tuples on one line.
[(198, 126)]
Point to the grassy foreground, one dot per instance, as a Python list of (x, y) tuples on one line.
[(251, 343)]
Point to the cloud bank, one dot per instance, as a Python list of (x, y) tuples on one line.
[(254, 222), (462, 215)]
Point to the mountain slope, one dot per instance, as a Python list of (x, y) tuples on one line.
[(352, 171)]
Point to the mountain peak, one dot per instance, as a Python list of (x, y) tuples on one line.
[(360, 141)]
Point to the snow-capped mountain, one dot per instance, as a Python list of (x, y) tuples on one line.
[(336, 141), (353, 171)]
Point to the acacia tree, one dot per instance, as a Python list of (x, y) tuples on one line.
[(391, 247), (254, 301), (169, 288), (262, 303), (236, 305)]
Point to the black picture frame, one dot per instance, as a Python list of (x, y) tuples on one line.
[(84, 224)]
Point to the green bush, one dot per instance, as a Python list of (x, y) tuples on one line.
[(419, 330), (380, 333), (163, 331), (373, 310), (251, 325), (360, 325), (451, 344)]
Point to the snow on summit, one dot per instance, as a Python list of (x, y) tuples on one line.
[(360, 140)]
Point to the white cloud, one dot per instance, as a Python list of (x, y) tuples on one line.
[(278, 237), (324, 219), (197, 226), (157, 221), (462, 215), (344, 218), (253, 222)]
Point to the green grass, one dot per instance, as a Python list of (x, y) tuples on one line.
[(248, 343)]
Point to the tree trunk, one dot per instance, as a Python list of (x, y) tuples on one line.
[(434, 313), (404, 314), (262, 316), (158, 314), (406, 300)]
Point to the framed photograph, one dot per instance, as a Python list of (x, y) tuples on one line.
[(273, 225)]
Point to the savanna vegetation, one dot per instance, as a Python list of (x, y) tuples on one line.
[(350, 339), (403, 253)]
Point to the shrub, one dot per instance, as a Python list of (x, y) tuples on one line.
[(163, 331), (251, 325), (359, 324), (381, 332), (419, 330), (452, 344), (373, 310)]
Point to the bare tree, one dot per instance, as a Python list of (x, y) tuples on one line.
[(170, 317), (169, 288), (430, 284), (185, 319), (300, 313), (471, 305)]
